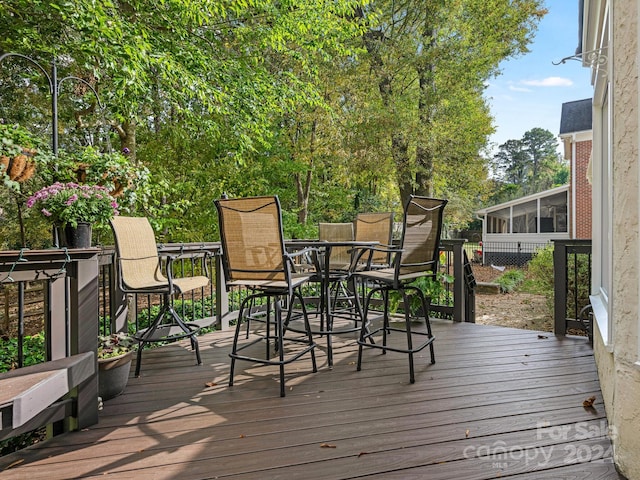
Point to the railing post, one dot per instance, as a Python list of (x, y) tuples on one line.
[(560, 287), (222, 297), (56, 319), (459, 300), (83, 325), (118, 301)]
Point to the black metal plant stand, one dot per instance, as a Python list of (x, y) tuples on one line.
[(54, 88)]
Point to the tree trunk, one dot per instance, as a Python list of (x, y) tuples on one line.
[(127, 133), (400, 153), (426, 75), (304, 188)]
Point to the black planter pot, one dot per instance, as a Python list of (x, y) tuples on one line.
[(70, 237), (113, 375)]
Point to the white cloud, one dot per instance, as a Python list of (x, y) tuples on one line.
[(549, 82), (513, 88)]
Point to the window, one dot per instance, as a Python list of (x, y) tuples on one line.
[(553, 213), (602, 225)]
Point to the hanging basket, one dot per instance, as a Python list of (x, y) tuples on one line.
[(21, 167)]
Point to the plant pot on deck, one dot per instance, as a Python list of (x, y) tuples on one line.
[(113, 375)]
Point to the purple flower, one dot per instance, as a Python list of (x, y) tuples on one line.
[(72, 199), (126, 151), (46, 212)]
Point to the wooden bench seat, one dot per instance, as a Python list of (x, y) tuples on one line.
[(28, 391)]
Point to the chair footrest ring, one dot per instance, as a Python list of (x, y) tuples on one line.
[(166, 333)]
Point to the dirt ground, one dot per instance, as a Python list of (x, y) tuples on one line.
[(516, 310)]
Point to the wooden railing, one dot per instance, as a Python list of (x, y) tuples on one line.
[(119, 312), (62, 391), (572, 284), (461, 307)]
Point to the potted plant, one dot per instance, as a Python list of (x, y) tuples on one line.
[(17, 151), (115, 353), (73, 209)]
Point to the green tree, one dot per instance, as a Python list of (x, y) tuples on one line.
[(542, 147), (200, 84), (430, 60), (531, 164)]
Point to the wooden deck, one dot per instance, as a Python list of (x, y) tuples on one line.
[(499, 403)]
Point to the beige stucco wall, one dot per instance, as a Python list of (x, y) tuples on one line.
[(619, 375)]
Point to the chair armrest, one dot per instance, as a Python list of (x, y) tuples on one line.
[(179, 256), (359, 251), (304, 252)]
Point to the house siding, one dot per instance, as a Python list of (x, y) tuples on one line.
[(618, 362)]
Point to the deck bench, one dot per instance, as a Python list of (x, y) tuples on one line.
[(38, 395)]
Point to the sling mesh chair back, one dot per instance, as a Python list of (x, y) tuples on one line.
[(139, 272), (337, 232), (375, 227), (416, 257), (254, 257)]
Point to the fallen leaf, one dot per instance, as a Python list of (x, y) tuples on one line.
[(241, 436), (17, 462), (466, 434), (542, 337), (589, 402), (327, 445), (362, 453), (210, 384)]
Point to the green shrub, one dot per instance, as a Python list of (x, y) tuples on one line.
[(510, 280), (433, 289), (540, 272)]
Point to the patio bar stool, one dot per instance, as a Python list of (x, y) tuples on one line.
[(416, 257), (139, 272), (254, 257)]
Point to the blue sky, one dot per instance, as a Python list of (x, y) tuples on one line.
[(531, 90)]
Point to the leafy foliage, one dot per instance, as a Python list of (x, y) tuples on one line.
[(540, 272), (337, 107), (529, 165), (115, 345), (33, 349), (433, 289), (510, 280)]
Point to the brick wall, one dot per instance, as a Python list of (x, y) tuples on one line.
[(583, 191)]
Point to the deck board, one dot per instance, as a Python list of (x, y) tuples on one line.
[(493, 390)]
